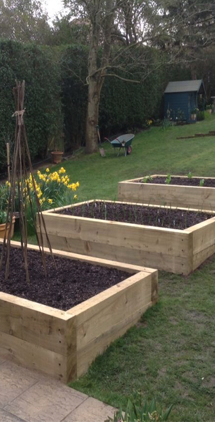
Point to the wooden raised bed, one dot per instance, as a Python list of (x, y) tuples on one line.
[(63, 344), (173, 250), (195, 197)]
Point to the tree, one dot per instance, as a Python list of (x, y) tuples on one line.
[(23, 20), (168, 25), (67, 31)]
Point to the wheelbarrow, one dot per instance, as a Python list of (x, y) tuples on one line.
[(123, 141)]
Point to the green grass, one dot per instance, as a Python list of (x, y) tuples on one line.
[(154, 151), (170, 354)]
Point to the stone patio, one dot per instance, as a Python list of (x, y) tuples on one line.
[(27, 396)]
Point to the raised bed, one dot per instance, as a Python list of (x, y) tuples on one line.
[(169, 249), (195, 197), (64, 343)]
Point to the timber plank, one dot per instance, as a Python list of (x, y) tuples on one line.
[(168, 249), (195, 197), (63, 344)]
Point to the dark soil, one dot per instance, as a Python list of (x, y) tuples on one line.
[(137, 214), (210, 183), (68, 282)]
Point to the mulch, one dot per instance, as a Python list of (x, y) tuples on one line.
[(209, 183), (137, 214), (68, 283)]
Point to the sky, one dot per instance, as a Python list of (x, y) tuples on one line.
[(53, 7)]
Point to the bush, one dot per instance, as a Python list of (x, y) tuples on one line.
[(200, 116), (43, 116)]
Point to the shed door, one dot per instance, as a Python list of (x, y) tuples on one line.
[(189, 102)]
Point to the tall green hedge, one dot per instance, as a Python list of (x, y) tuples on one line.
[(125, 106), (73, 61), (43, 117), (56, 94)]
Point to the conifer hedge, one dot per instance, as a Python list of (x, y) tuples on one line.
[(56, 95), (43, 117)]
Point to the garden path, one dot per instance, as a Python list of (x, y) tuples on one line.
[(27, 396)]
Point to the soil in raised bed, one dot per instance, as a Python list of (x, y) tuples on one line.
[(208, 183), (137, 214), (68, 283)]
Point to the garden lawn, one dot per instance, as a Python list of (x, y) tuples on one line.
[(154, 151), (170, 354)]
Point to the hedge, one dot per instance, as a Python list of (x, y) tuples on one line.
[(56, 94), (125, 106), (43, 117)]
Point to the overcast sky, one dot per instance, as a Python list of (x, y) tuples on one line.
[(53, 6)]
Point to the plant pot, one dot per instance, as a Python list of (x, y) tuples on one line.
[(193, 116), (4, 229), (57, 157)]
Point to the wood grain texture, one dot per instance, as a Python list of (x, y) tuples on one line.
[(64, 344), (195, 197), (167, 249), (110, 316)]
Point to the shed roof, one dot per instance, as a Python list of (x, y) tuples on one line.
[(184, 86)]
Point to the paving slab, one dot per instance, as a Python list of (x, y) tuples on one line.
[(91, 410), (6, 417), (14, 381), (28, 396), (46, 401)]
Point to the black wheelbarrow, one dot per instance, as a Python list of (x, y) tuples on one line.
[(123, 141)]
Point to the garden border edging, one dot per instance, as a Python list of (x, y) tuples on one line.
[(195, 197), (172, 250), (64, 344)]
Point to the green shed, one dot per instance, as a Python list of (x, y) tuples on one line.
[(182, 98)]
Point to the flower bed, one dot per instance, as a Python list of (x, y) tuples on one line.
[(182, 191), (64, 343), (176, 250), (49, 189)]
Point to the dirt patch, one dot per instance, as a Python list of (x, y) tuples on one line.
[(180, 181), (173, 321), (196, 316), (137, 214), (162, 372), (209, 383), (190, 377), (67, 284)]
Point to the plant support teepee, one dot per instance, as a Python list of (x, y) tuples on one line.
[(20, 191)]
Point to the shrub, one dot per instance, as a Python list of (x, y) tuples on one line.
[(200, 116), (43, 116)]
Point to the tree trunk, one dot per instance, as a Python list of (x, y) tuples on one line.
[(94, 91), (96, 76)]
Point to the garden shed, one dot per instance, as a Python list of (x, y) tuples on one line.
[(182, 98)]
